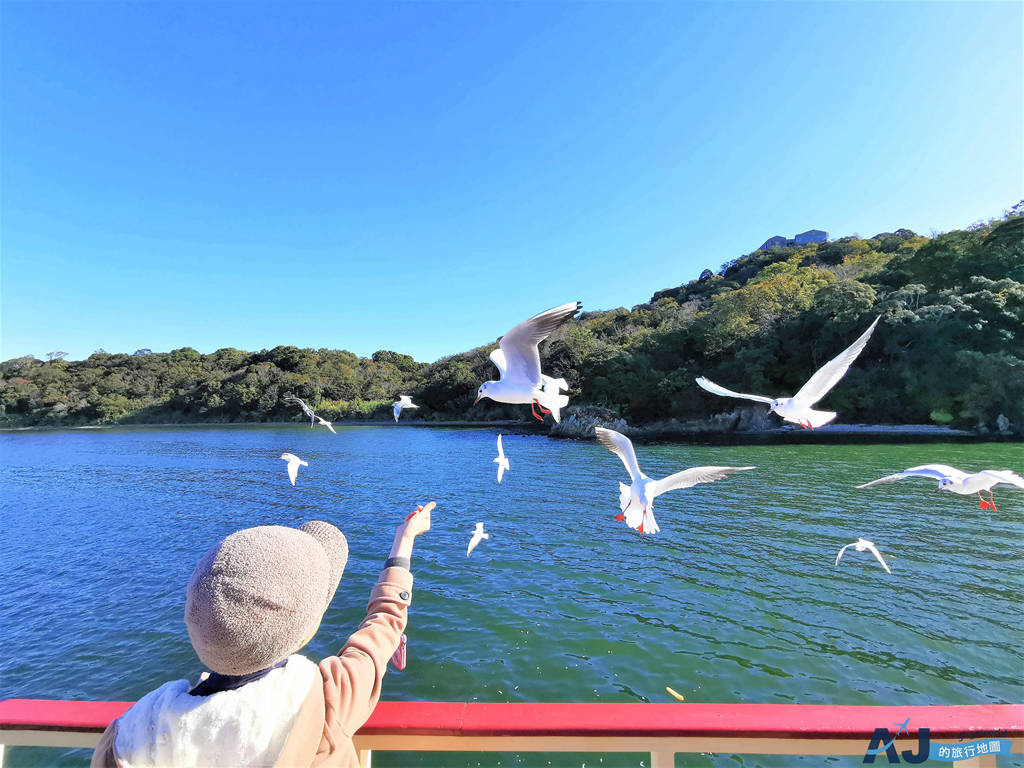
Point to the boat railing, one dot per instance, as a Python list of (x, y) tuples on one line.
[(660, 730)]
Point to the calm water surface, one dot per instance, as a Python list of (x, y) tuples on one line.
[(736, 600)]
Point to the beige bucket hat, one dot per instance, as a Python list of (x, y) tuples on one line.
[(257, 596)]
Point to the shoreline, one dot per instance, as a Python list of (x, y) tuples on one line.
[(237, 424), (832, 433)]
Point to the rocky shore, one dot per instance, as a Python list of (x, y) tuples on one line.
[(750, 423)]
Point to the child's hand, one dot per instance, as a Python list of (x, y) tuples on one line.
[(416, 522)]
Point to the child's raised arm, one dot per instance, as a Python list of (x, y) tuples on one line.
[(352, 679)]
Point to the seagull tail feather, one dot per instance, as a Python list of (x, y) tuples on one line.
[(555, 403)]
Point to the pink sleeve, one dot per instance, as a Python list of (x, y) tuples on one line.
[(352, 679)]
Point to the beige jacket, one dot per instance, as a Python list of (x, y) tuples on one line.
[(331, 714)]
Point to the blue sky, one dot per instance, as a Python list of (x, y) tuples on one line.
[(420, 177)]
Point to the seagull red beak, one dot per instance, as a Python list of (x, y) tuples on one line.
[(478, 399)]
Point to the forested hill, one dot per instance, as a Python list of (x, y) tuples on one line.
[(949, 349)]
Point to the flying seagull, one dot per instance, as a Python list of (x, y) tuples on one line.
[(797, 409), (313, 418), (403, 401), (478, 534), (501, 461), (961, 483), (863, 545), (637, 500), (518, 361), (326, 423), (305, 408), (293, 465)]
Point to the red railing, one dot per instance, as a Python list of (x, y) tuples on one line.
[(659, 729)]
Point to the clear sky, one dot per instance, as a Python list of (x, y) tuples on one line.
[(420, 177)]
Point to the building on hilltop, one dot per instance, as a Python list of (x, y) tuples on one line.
[(810, 236), (771, 242)]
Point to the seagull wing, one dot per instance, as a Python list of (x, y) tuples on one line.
[(1004, 476), (330, 427), (874, 550), (841, 552), (478, 534), (519, 346), (501, 452), (831, 372), (715, 389), (293, 468), (934, 471), (302, 404), (396, 408), (498, 358), (693, 476), (883, 480), (620, 445)]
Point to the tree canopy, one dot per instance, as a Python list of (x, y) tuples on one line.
[(949, 349)]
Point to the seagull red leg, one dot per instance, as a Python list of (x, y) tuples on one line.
[(982, 504), (992, 502), (533, 410)]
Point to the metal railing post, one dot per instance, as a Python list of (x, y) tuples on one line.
[(664, 758)]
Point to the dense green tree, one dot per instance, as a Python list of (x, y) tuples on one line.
[(950, 348)]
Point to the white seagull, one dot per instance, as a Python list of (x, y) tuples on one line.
[(293, 465), (518, 361), (305, 408), (478, 534), (863, 545), (953, 480), (326, 423), (637, 500), (313, 418), (403, 401), (797, 409), (501, 461)]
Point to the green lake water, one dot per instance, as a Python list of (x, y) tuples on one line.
[(736, 600)]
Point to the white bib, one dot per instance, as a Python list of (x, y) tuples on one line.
[(244, 727)]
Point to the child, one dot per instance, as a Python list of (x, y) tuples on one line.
[(253, 601)]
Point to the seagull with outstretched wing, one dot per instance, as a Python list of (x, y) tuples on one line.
[(863, 545), (798, 408), (478, 535), (294, 462), (305, 408), (517, 359), (961, 483), (403, 401), (501, 461), (637, 500), (313, 418), (326, 423)]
